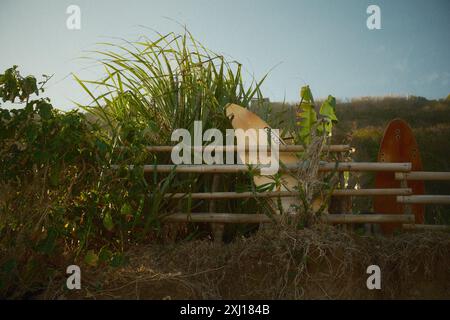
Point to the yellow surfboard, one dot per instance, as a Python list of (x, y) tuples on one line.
[(244, 119)]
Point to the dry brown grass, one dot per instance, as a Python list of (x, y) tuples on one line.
[(277, 263)]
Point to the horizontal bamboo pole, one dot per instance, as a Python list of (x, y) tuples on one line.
[(235, 168), (369, 218), (234, 148), (423, 175), (372, 192), (231, 195), (275, 194), (218, 218), (261, 218), (430, 227), (424, 199), (366, 166)]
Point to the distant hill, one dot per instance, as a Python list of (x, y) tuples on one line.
[(362, 122)]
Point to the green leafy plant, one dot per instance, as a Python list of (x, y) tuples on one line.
[(61, 199), (153, 87), (13, 85), (309, 123), (59, 195)]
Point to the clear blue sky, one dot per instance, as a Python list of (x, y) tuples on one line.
[(323, 43)]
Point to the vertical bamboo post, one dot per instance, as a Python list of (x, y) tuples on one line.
[(216, 228), (406, 206), (344, 200)]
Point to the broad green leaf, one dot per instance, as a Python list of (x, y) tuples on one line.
[(307, 116), (307, 120), (306, 95), (108, 221), (328, 108), (325, 127), (328, 111)]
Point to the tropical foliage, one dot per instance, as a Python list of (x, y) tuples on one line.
[(60, 195), (308, 123)]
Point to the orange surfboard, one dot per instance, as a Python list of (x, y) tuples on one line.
[(398, 145)]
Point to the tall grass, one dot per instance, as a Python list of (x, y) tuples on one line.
[(154, 86), (157, 86), (60, 200)]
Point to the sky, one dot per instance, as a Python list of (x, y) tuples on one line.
[(323, 43)]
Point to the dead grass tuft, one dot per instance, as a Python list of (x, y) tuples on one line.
[(280, 263)]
